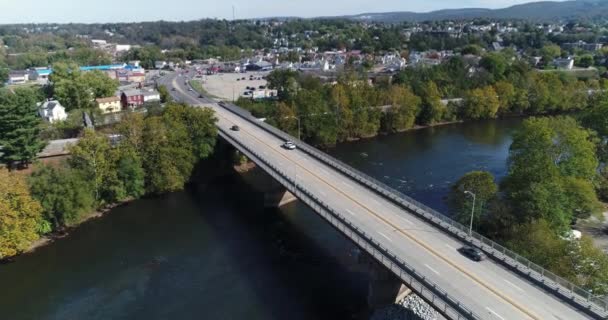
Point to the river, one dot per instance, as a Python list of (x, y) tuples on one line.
[(216, 253)]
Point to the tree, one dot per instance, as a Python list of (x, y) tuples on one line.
[(552, 164), (404, 108), (19, 126), (20, 215), (506, 96), (99, 84), (65, 195), (165, 96), (284, 81), (550, 52), (68, 87), (90, 156), (200, 124), (481, 103), (159, 163), (482, 184), (433, 110), (495, 64), (585, 61)]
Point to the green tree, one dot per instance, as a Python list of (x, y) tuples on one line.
[(507, 96), (405, 105), (20, 215), (433, 110), (68, 87), (19, 126), (495, 64), (65, 195), (549, 159), (481, 103), (550, 52), (90, 156), (159, 162), (99, 84), (284, 81), (480, 183), (165, 96)]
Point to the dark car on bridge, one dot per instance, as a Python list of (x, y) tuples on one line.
[(235, 128), (472, 253)]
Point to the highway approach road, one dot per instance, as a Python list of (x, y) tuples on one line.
[(485, 287)]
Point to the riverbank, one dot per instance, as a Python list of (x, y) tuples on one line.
[(49, 238)]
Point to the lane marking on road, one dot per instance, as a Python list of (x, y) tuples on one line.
[(385, 237), (404, 233), (348, 185), (449, 246), (406, 220), (434, 271), (496, 314), (352, 213), (513, 285)]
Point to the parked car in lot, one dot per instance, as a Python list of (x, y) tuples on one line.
[(246, 93), (235, 128), (289, 145), (473, 253)]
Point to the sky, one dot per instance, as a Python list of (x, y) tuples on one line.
[(91, 11)]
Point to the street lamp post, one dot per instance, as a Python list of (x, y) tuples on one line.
[(472, 211)]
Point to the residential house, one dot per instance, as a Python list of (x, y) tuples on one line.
[(131, 98), (18, 77), (40, 74), (151, 95), (109, 104), (52, 111), (564, 63)]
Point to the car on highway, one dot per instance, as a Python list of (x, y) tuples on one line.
[(473, 253), (201, 96), (190, 89), (289, 145), (173, 89), (235, 128)]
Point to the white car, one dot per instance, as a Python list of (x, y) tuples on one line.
[(289, 145)]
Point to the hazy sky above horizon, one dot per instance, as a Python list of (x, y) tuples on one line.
[(89, 11)]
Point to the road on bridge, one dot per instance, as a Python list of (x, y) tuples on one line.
[(486, 288)]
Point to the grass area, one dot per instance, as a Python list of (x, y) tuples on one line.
[(198, 87)]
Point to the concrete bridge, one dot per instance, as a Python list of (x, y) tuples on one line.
[(410, 244)]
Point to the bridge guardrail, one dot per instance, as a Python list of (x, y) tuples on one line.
[(416, 281), (561, 287)]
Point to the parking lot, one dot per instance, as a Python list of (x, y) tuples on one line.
[(226, 86)]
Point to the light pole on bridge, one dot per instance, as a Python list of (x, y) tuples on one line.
[(472, 211)]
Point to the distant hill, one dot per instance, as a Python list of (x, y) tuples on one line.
[(541, 11)]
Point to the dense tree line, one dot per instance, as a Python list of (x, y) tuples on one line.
[(153, 155), (352, 108)]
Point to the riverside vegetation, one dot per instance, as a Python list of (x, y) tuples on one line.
[(155, 154), (557, 176), (351, 107)]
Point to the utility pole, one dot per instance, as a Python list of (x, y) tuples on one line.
[(472, 211)]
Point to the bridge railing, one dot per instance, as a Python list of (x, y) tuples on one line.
[(558, 285), (417, 282)]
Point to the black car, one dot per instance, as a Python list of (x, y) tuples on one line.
[(235, 128), (173, 89), (200, 96), (473, 253)]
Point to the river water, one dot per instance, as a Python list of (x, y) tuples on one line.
[(216, 253)]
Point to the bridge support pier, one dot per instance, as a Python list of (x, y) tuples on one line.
[(277, 196), (384, 288)]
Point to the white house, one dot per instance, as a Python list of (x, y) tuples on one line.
[(18, 77), (151, 95), (52, 111), (564, 63)]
